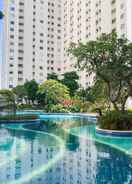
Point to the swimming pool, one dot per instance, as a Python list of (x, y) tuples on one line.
[(33, 154)]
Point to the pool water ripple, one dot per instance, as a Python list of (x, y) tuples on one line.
[(68, 156), (44, 167), (122, 144)]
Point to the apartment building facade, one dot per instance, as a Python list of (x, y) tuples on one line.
[(37, 34), (86, 20), (32, 40)]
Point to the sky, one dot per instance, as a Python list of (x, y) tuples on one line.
[(1, 5)]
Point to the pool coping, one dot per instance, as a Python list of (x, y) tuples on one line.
[(55, 113), (90, 116), (19, 121), (73, 114), (113, 132)]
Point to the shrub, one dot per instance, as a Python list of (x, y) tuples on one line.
[(80, 106), (75, 108), (52, 92), (24, 106), (116, 120), (59, 108)]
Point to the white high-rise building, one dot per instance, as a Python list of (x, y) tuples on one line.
[(86, 20), (32, 40), (37, 34)]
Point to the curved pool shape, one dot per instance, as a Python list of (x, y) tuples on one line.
[(121, 143), (63, 156), (44, 166)]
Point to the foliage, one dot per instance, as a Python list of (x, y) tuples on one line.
[(85, 107), (70, 80), (67, 102), (31, 88), (52, 76), (51, 92), (110, 59), (115, 120), (9, 99), (24, 106), (7, 94), (20, 93), (59, 108), (99, 96), (17, 117), (1, 15), (77, 106), (94, 97), (99, 91), (85, 95), (72, 105)]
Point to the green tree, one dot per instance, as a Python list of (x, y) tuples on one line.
[(99, 95), (52, 92), (52, 76), (20, 93), (71, 81), (1, 15), (95, 96), (85, 95), (110, 59), (31, 88), (9, 99)]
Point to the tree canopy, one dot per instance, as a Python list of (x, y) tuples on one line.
[(8, 100), (20, 93), (52, 76), (110, 59), (71, 81), (31, 88), (53, 92)]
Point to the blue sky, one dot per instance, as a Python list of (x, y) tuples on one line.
[(1, 4)]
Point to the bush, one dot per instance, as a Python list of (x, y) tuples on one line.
[(75, 108), (17, 117), (24, 106), (59, 108), (80, 106), (116, 121)]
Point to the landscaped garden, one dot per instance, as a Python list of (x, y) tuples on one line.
[(109, 59), (59, 132)]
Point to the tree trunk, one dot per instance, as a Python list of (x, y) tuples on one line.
[(115, 99), (124, 104), (115, 106), (14, 108)]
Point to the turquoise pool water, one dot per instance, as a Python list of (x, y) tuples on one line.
[(35, 154)]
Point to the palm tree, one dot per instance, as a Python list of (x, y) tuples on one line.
[(1, 15)]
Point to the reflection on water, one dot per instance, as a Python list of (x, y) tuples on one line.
[(84, 161)]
